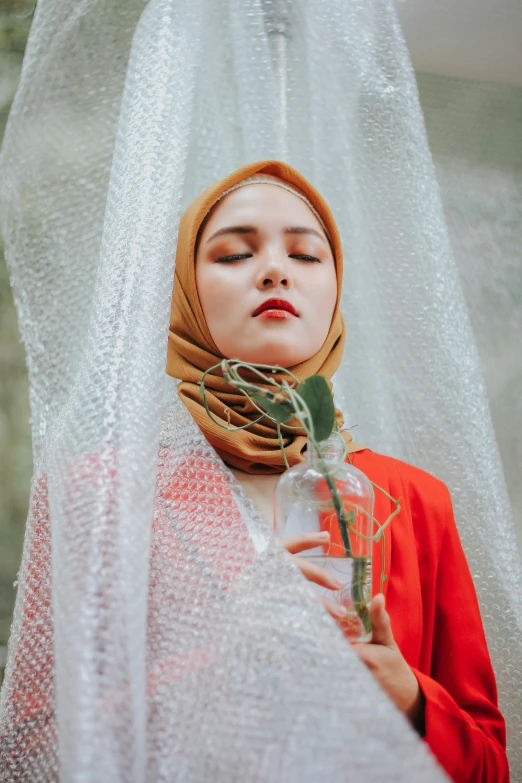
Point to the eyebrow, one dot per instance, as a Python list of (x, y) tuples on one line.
[(253, 230)]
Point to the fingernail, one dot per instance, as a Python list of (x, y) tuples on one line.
[(337, 585), (324, 536), (341, 612)]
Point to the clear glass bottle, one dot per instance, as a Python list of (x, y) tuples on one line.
[(326, 493)]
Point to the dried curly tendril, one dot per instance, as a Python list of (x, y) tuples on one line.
[(311, 403)]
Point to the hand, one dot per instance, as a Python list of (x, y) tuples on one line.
[(386, 663), (313, 572)]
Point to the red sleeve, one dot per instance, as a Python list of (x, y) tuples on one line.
[(463, 725)]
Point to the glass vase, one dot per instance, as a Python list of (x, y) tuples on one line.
[(326, 493)]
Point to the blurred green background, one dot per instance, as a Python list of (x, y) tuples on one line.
[(15, 435)]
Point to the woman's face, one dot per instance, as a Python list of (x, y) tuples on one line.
[(266, 277)]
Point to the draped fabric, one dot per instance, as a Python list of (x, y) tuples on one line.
[(160, 633)]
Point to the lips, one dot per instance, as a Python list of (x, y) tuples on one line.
[(275, 306)]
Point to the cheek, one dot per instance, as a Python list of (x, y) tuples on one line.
[(323, 293), (219, 291)]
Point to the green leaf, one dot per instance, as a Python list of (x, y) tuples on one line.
[(317, 395), (280, 411)]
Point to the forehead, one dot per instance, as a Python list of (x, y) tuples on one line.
[(262, 203)]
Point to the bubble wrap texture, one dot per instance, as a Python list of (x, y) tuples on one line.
[(478, 157), (246, 676), (190, 649)]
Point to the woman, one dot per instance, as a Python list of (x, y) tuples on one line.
[(258, 278)]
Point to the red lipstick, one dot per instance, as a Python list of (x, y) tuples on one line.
[(275, 308)]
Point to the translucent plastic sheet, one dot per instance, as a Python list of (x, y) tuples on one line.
[(181, 647)]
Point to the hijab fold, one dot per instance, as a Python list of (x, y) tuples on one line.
[(192, 351)]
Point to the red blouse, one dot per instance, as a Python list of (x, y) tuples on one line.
[(436, 620)]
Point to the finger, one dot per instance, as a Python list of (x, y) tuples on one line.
[(381, 624), (317, 574), (337, 611), (305, 541)]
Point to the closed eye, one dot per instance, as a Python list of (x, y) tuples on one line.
[(231, 259), (239, 257), (307, 258)]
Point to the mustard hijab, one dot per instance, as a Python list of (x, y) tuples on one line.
[(192, 351)]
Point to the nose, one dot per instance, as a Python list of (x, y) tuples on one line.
[(274, 273)]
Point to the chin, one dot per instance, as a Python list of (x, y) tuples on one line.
[(274, 353)]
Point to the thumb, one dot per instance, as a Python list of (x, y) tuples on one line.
[(381, 625)]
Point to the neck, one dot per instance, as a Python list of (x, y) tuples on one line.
[(260, 489)]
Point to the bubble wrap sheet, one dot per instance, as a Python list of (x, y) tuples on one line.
[(168, 637)]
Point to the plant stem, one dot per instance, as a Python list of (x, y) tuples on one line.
[(358, 563), (358, 599), (342, 517)]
